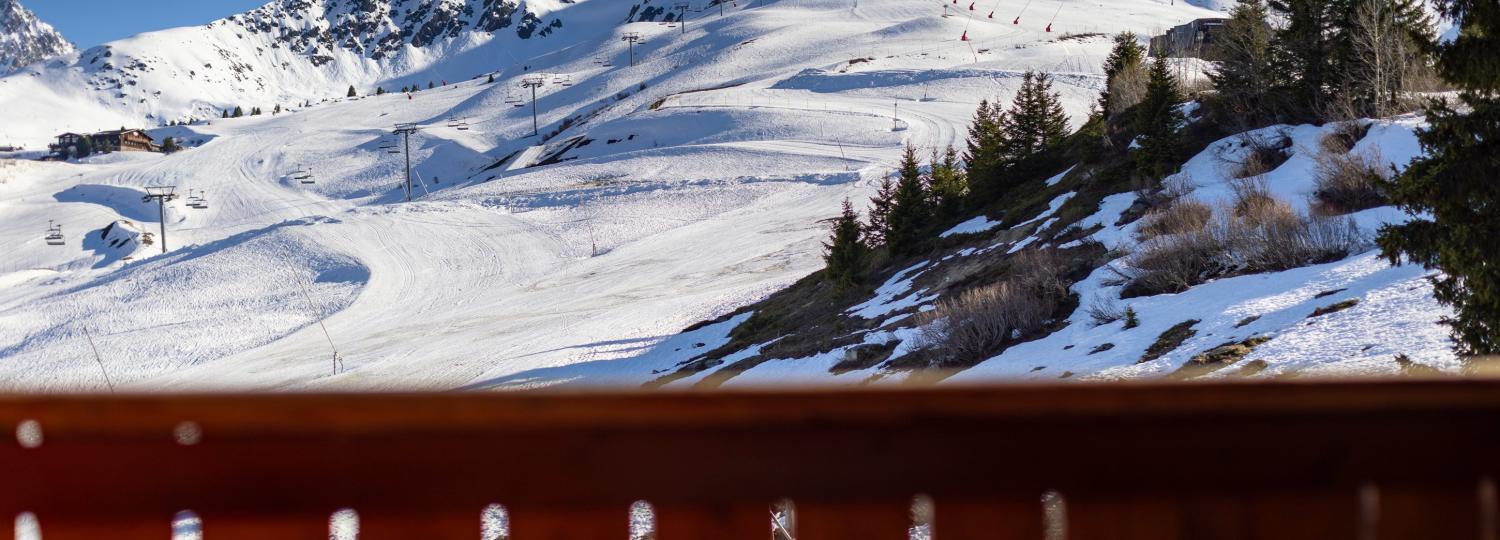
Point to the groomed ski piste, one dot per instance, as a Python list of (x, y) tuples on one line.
[(673, 192)]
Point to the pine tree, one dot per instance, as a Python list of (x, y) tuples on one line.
[(911, 210), (1244, 75), (430, 85), (351, 93), (169, 145), (847, 253), (226, 113), (238, 112), (1122, 74), (986, 151), (405, 89), (1158, 122), (880, 211), (492, 79), (1031, 130), (380, 90), (85, 147), (1036, 121), (277, 110), (949, 184), (1302, 50), (1452, 192)]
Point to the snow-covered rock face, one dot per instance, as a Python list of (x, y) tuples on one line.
[(25, 40), (380, 28)]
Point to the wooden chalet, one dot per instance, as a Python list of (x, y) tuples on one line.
[(121, 140), (1191, 40)]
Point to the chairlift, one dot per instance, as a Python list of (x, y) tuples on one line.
[(307, 178), (55, 235)]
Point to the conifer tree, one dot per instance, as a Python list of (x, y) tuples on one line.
[(1158, 122), (351, 93), (1031, 130), (380, 90), (492, 79), (226, 113), (277, 110), (847, 252), (1036, 121), (911, 210), (1452, 191), (430, 85), (1124, 74), (880, 211), (238, 112), (169, 145), (1302, 50), (1244, 76), (85, 147), (985, 154), (405, 89), (948, 183)]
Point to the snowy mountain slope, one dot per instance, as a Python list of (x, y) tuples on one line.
[(674, 191), (1357, 316), (25, 40), (288, 52)]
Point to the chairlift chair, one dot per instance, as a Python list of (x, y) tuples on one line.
[(55, 235), (202, 200)]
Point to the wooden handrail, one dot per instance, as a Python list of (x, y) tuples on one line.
[(1282, 460)]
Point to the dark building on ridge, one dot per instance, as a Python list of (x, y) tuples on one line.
[(1192, 40)]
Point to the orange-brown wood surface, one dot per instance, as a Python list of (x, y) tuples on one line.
[(1283, 460)]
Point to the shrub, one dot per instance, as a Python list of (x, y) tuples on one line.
[(979, 322), (1255, 205), (1131, 319), (1105, 310), (1178, 217), (1171, 264), (1347, 183), (1343, 137), (1256, 233), (1263, 155)]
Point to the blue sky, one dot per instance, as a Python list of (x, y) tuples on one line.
[(90, 22)]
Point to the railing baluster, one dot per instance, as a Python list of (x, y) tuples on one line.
[(853, 520), (1426, 512), (374, 525), (529, 522), (742, 521), (988, 519)]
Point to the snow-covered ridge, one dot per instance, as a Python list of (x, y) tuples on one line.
[(25, 39), (287, 52)]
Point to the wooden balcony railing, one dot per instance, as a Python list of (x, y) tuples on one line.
[(1282, 461)]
